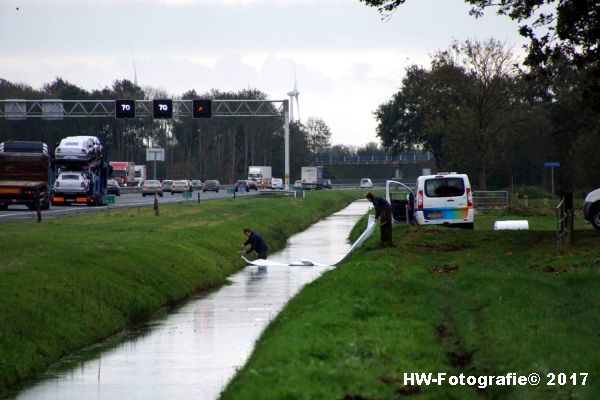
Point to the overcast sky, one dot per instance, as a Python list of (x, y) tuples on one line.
[(347, 60)]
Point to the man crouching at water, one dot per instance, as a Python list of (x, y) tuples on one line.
[(383, 213), (256, 244)]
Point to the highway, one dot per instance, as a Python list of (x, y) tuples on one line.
[(125, 200)]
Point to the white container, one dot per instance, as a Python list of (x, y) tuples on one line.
[(521, 225)]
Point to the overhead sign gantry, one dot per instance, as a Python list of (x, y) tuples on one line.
[(57, 109)]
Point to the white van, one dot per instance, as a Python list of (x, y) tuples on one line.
[(366, 183), (276, 183), (444, 198)]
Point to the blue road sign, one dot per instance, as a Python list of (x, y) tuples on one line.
[(551, 164)]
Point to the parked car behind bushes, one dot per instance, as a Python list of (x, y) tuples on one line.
[(591, 208)]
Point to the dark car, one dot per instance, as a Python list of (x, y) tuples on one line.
[(252, 185), (196, 184), (112, 187), (212, 185), (241, 186), (327, 184), (166, 185)]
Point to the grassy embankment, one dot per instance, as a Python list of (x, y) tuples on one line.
[(66, 283), (441, 300)]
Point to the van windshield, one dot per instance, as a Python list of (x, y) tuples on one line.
[(444, 187)]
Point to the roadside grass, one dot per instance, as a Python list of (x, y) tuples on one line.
[(69, 282), (441, 300)]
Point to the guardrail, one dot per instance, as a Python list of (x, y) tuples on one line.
[(356, 186), (131, 189), (490, 198), (138, 189), (481, 198)]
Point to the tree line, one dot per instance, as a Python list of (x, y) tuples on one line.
[(219, 148), (476, 112)]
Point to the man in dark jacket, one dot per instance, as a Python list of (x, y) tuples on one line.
[(256, 244), (383, 213)]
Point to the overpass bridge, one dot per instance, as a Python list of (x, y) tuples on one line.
[(400, 159), (377, 167)]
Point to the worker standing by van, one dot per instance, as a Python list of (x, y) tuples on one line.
[(256, 243), (383, 213)]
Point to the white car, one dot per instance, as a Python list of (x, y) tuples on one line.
[(72, 182), (81, 149), (181, 186), (277, 183), (365, 183)]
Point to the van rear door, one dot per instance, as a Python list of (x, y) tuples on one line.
[(445, 198)]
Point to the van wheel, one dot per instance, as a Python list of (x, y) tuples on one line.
[(3, 206), (595, 217)]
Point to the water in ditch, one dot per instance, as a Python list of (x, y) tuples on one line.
[(192, 352)]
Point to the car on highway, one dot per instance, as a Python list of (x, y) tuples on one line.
[(112, 187), (152, 187), (69, 182), (298, 184), (166, 185), (82, 149), (196, 184), (241, 186), (277, 183), (211, 185), (252, 185), (327, 184), (365, 183), (181, 186)]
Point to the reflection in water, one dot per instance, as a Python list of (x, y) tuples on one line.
[(194, 351)]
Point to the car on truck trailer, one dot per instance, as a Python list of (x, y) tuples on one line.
[(75, 181), (83, 186), (24, 174), (78, 149)]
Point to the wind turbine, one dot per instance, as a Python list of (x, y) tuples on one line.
[(133, 61), (294, 94)]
